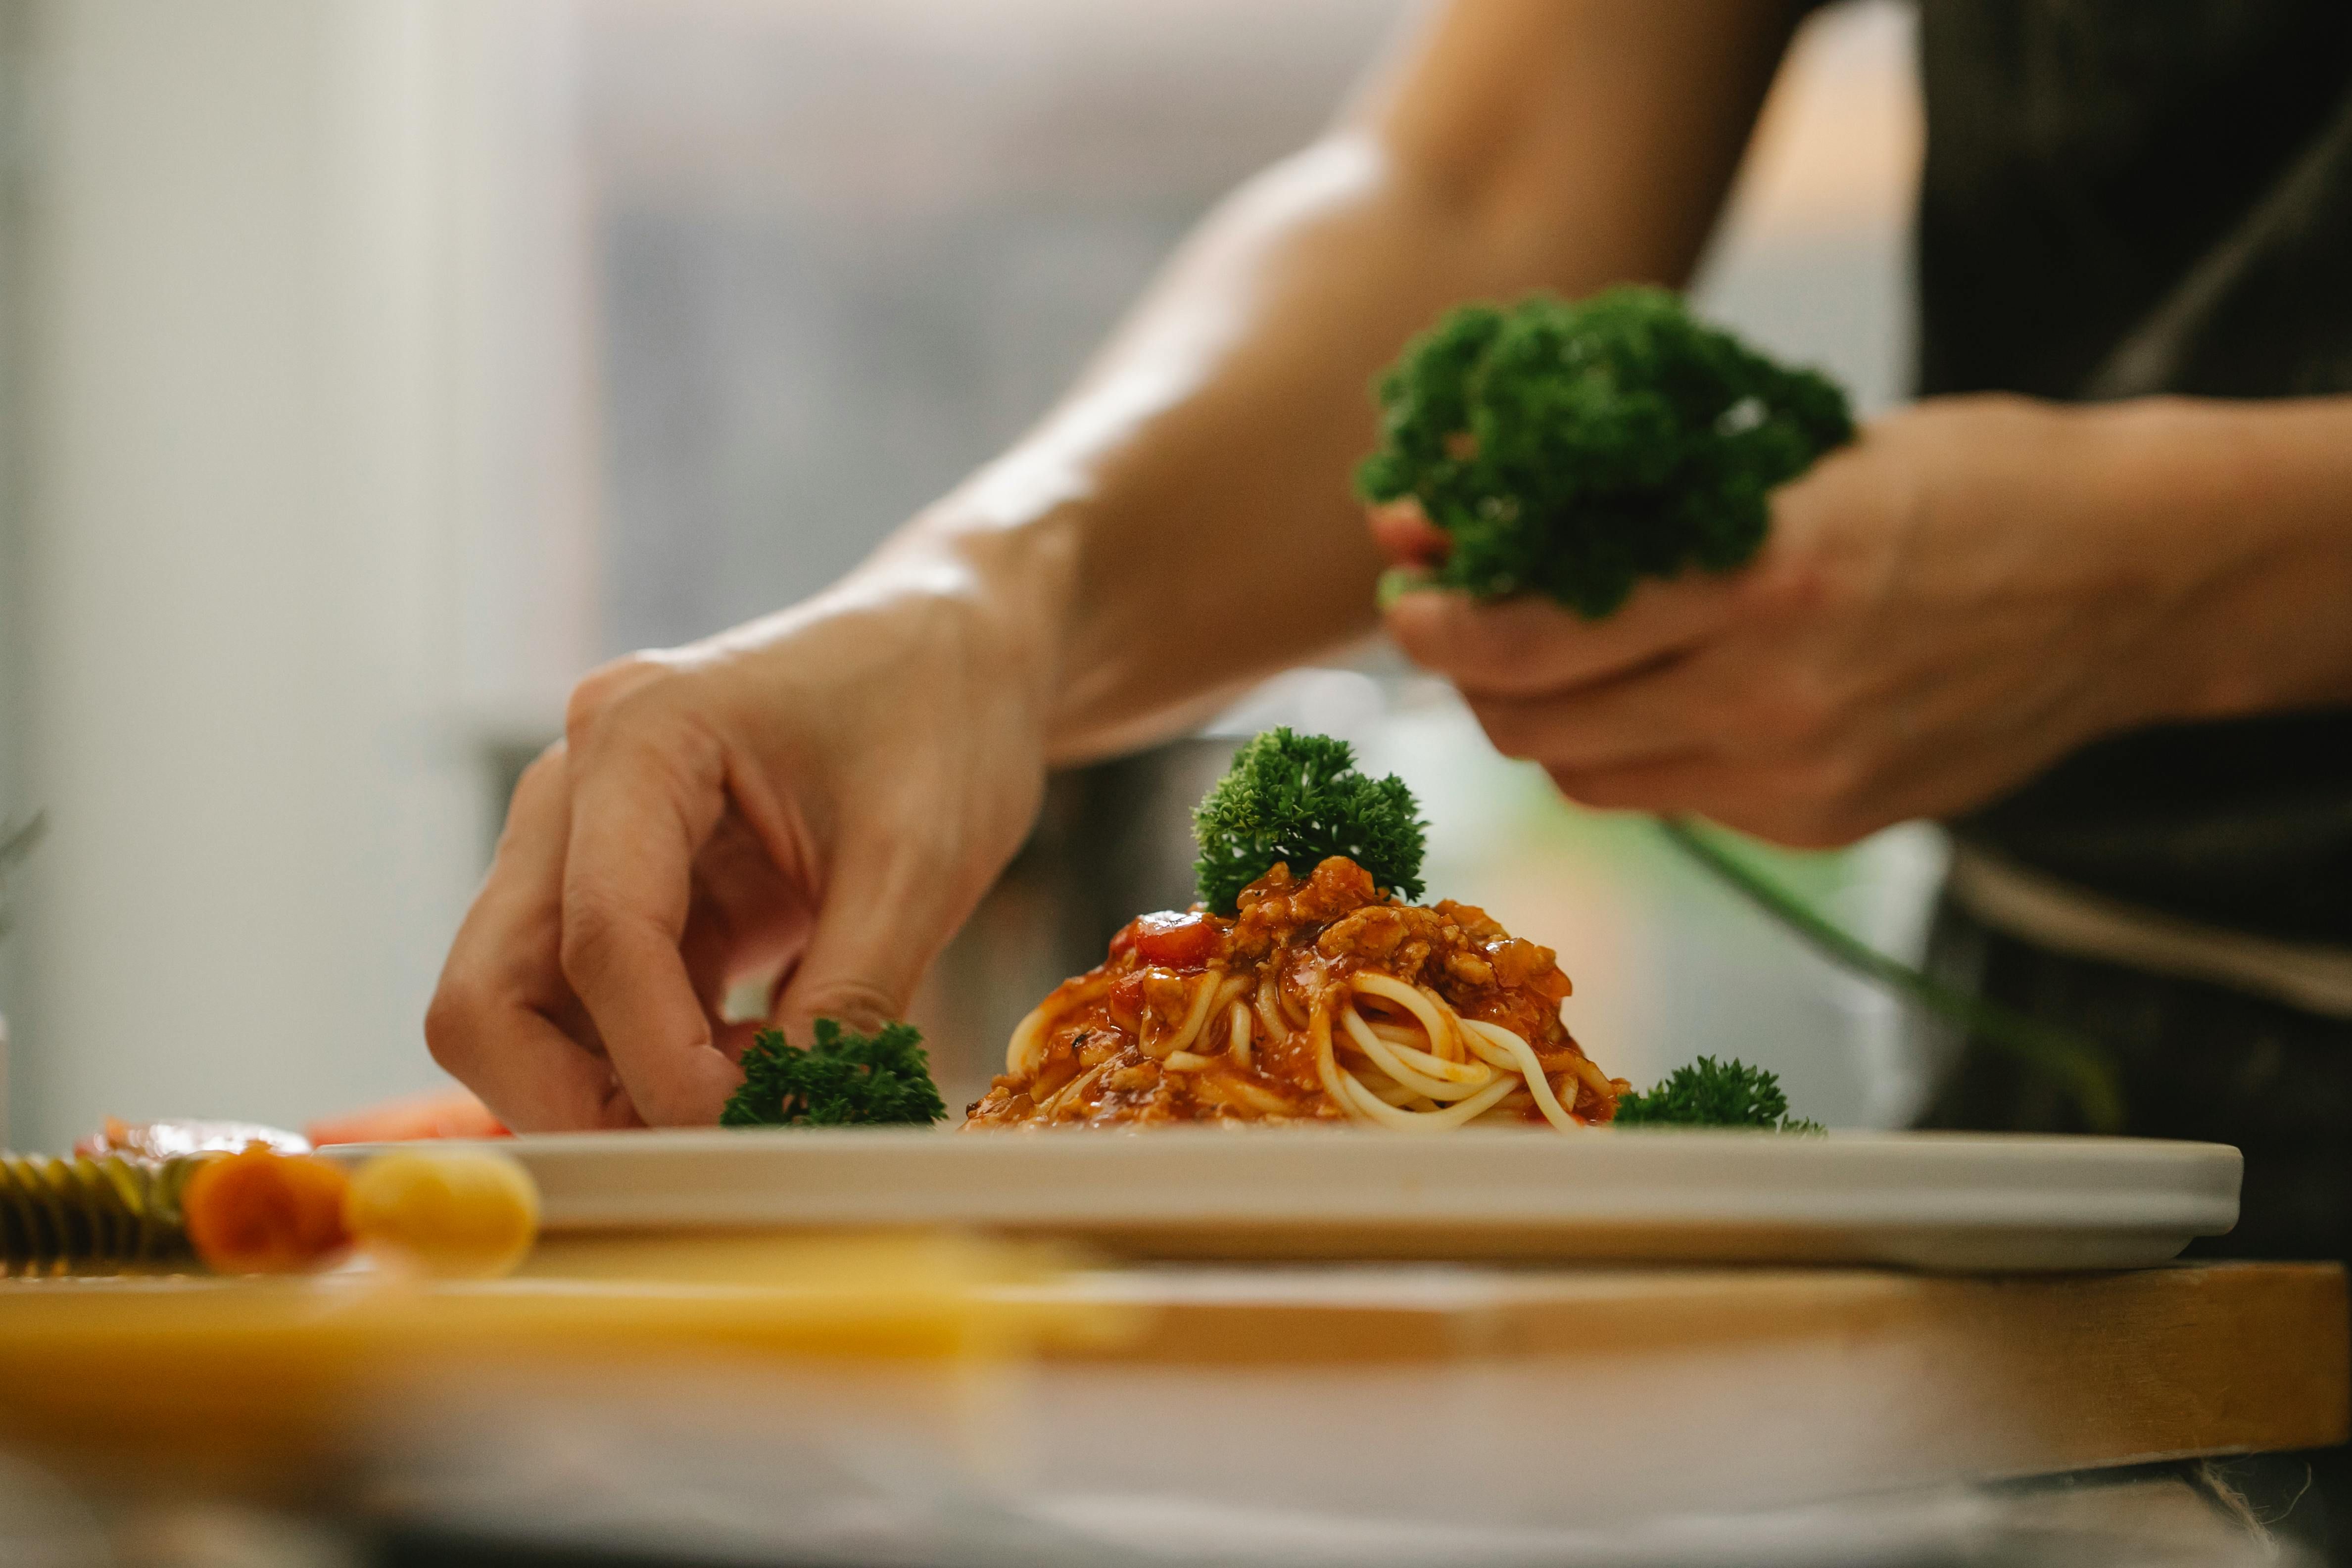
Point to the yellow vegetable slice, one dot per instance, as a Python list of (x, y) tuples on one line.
[(458, 1213)]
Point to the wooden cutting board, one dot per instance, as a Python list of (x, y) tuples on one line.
[(1881, 1378)]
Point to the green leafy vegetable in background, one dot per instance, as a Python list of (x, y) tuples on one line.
[(844, 1079), (1299, 798), (1711, 1093), (1570, 449)]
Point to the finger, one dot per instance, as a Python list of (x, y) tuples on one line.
[(1647, 718), (488, 1023), (643, 800), (1672, 784), (536, 1078), (881, 922), (1526, 644), (1787, 805), (708, 950), (1406, 536)]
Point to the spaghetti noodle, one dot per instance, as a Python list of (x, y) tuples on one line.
[(1322, 1000)]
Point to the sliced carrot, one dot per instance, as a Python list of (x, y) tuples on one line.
[(436, 1113), (261, 1212)]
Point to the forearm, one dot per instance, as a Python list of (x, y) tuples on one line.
[(2243, 510), (1183, 521)]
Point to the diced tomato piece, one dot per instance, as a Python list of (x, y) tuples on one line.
[(1176, 941), (1127, 1001)]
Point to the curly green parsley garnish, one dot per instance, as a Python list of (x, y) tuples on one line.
[(1571, 449), (1711, 1093), (1298, 799), (843, 1078)]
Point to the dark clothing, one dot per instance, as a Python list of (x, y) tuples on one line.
[(2134, 197), (2124, 197), (2193, 1060), (2102, 172)]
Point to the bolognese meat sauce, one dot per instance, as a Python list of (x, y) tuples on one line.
[(1321, 1000)]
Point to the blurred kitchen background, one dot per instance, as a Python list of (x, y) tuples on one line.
[(368, 368)]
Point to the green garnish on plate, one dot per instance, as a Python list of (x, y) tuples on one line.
[(843, 1078), (1711, 1093), (1300, 800)]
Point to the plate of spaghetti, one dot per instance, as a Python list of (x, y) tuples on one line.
[(1310, 1062)]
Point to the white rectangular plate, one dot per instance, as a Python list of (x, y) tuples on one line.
[(1927, 1200)]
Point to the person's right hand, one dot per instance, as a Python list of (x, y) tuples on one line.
[(822, 796)]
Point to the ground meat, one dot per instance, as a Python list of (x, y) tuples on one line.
[(1291, 943)]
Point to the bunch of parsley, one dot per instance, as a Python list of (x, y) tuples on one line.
[(1299, 798), (1711, 1093), (1570, 449), (843, 1079)]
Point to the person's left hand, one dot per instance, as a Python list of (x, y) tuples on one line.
[(1942, 610)]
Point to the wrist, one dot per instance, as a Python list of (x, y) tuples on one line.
[(2241, 514), (1063, 560), (1009, 577)]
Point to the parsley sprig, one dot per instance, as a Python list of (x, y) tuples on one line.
[(843, 1079), (1301, 798), (1711, 1093)]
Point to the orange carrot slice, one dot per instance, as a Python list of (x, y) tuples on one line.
[(436, 1113), (261, 1212)]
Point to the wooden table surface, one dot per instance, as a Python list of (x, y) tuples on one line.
[(1566, 1391), (2210, 1357)]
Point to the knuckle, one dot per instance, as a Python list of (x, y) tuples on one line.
[(604, 688), (1790, 584), (451, 1024)]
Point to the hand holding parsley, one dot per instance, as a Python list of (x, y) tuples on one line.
[(1569, 450), (1939, 609)]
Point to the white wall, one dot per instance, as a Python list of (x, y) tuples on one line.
[(240, 592), (15, 18)]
